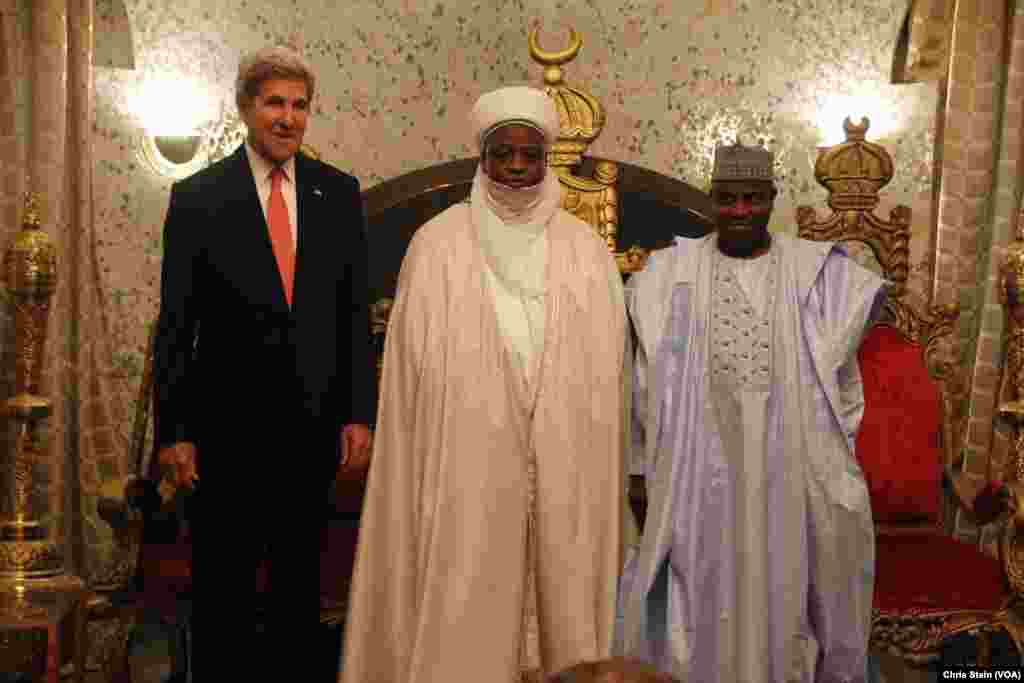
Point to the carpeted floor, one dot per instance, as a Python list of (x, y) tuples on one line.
[(151, 646), (150, 655), (151, 661)]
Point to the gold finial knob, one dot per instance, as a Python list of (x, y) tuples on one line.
[(32, 218), (856, 132)]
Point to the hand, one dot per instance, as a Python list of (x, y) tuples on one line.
[(355, 447), (178, 468)]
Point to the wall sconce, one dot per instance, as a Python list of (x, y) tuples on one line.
[(173, 156), (172, 111)]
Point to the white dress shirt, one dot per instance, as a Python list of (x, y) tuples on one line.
[(261, 170)]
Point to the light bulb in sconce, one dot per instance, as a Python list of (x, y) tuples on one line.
[(177, 149), (172, 110)]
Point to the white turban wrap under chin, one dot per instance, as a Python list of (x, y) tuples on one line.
[(515, 104)]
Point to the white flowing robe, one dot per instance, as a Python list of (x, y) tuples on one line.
[(438, 590), (757, 557)]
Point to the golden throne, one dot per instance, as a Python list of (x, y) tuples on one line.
[(929, 587)]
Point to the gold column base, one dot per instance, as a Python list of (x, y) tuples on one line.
[(38, 603)]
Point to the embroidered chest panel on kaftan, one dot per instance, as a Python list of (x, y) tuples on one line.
[(741, 322)]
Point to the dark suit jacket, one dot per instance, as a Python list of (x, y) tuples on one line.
[(235, 368)]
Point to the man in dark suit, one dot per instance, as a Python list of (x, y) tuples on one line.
[(265, 377)]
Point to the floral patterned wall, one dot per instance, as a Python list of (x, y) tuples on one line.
[(397, 79)]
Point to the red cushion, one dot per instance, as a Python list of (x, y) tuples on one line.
[(907, 581), (898, 444)]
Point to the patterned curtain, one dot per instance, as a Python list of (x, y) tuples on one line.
[(85, 445)]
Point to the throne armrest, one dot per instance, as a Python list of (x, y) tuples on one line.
[(142, 494), (1015, 502), (139, 501), (126, 520), (984, 501), (1011, 545), (138, 516)]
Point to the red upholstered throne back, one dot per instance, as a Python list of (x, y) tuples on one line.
[(899, 444), (899, 447)]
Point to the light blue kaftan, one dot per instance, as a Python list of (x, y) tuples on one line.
[(757, 558)]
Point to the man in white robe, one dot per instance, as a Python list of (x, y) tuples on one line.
[(757, 558), (491, 532)]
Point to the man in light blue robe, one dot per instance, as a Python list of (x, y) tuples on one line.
[(757, 558)]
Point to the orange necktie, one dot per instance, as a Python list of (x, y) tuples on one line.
[(281, 233)]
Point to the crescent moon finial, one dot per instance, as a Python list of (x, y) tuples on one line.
[(557, 57)]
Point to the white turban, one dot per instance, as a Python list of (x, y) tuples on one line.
[(515, 104)]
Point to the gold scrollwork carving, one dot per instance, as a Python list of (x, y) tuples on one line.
[(26, 453), (594, 202), (1011, 296), (380, 313), (918, 639), (633, 260), (1011, 553)]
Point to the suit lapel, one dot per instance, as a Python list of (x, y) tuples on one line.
[(308, 197)]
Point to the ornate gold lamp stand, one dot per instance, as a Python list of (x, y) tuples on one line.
[(35, 591)]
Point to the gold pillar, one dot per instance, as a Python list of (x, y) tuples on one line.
[(34, 587)]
